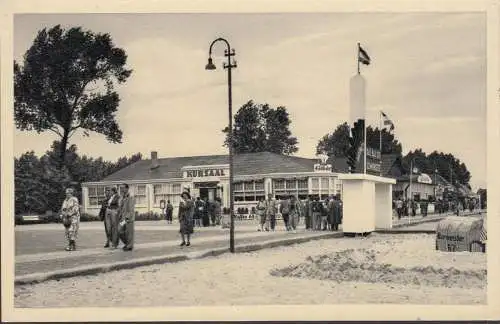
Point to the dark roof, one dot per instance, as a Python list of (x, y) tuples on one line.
[(244, 164)]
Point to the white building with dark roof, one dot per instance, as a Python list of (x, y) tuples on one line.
[(255, 176)]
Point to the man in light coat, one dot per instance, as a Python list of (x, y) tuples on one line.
[(127, 218), (271, 210)]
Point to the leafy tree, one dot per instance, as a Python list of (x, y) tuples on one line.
[(259, 128), (29, 187), (337, 142), (446, 165), (66, 83), (390, 145), (40, 183)]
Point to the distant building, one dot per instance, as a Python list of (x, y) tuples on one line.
[(255, 176)]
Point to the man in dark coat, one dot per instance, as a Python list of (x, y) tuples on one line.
[(335, 213), (169, 211), (198, 212), (205, 213), (102, 215), (307, 213)]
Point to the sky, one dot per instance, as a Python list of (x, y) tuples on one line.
[(428, 74)]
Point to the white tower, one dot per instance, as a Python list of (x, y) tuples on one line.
[(357, 98)]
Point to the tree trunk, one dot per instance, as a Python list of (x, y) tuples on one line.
[(62, 149)]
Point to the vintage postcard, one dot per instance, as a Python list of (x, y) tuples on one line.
[(230, 160)]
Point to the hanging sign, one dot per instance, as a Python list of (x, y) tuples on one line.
[(322, 167)]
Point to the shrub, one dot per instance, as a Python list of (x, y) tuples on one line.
[(149, 216), (85, 217)]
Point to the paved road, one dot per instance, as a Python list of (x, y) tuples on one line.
[(40, 248), (43, 238)]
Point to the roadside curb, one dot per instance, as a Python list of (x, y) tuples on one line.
[(172, 258)]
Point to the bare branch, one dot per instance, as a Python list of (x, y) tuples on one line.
[(55, 130)]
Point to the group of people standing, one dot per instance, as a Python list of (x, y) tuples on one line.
[(207, 213), (405, 207), (118, 214), (318, 215)]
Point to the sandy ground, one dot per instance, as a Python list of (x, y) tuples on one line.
[(399, 268)]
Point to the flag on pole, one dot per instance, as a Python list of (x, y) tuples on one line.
[(387, 121), (363, 56)]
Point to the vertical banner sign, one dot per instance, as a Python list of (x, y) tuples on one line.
[(373, 161)]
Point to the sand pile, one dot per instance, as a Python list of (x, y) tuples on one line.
[(361, 265)]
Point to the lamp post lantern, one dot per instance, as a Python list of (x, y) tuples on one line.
[(229, 65)]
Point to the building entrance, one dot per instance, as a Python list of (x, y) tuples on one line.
[(207, 190)]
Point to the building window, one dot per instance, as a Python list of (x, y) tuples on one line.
[(249, 190), (167, 191), (140, 195), (96, 195), (321, 186), (160, 193), (315, 183), (324, 184), (290, 187)]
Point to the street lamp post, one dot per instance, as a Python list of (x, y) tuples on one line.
[(210, 66)]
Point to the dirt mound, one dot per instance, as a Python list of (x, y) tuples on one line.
[(361, 265)]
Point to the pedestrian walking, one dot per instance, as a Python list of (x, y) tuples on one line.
[(169, 212), (295, 213), (423, 208), (70, 214), (413, 205), (205, 213), (307, 213), (211, 212), (112, 218), (399, 208), (102, 215), (126, 216), (217, 211), (198, 212), (261, 212), (271, 210), (285, 212), (186, 212), (324, 215), (317, 210), (335, 213)]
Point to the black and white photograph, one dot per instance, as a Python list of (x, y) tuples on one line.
[(249, 158)]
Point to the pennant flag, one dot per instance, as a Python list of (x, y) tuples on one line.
[(387, 121), (363, 56)]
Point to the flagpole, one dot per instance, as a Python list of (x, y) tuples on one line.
[(359, 45), (364, 145), (380, 134)]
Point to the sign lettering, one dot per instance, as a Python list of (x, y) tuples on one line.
[(322, 168), (455, 238), (205, 173)]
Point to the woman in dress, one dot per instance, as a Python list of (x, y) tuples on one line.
[(186, 211), (70, 214)]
